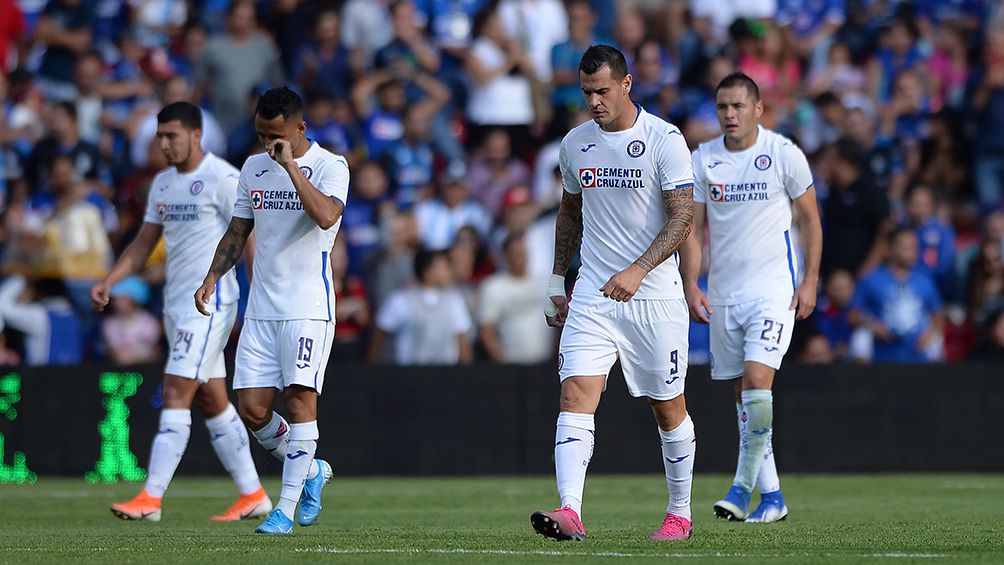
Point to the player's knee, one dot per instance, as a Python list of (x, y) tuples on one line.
[(177, 392), (669, 413), (301, 403), (254, 416), (211, 403), (575, 397)]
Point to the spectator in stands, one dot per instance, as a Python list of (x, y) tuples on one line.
[(494, 170), (65, 30), (508, 315), (324, 129), (883, 158), (382, 122), (393, 267), (986, 281), (899, 305), (233, 63), (840, 75), (936, 237), (906, 117), (63, 139), (352, 316), (654, 85), (948, 68), (856, 212), (991, 344), (429, 322), (565, 56), (440, 218), (832, 316), (88, 78), (324, 64), (946, 160), (501, 73), (132, 335), (364, 220), (539, 25), (183, 59), (813, 26), (366, 26), (155, 22), (772, 63), (409, 161), (12, 27), (408, 48), (38, 310), (899, 53), (987, 103)]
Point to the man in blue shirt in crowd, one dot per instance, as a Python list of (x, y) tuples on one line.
[(935, 236), (899, 303)]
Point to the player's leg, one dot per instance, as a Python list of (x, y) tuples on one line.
[(767, 481), (229, 439), (169, 445), (653, 349), (757, 460), (305, 351), (586, 353)]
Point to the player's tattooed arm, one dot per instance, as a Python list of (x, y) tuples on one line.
[(231, 246), (567, 231), (679, 205)]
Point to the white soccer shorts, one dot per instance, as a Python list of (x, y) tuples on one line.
[(650, 337), (273, 353), (196, 342), (759, 330)]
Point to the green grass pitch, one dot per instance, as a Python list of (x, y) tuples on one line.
[(922, 518)]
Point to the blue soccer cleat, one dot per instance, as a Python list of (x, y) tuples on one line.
[(771, 509), (310, 499), (735, 506), (276, 523)]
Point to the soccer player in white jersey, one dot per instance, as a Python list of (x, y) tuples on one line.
[(628, 200), (190, 204), (293, 196), (747, 181)]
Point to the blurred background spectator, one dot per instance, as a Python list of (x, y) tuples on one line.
[(450, 114)]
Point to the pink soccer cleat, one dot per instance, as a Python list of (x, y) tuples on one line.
[(674, 528), (562, 524)]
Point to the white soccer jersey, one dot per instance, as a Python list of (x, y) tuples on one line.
[(292, 273), (621, 176), (194, 209), (748, 196)]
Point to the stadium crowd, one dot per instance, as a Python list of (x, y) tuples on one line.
[(450, 113)]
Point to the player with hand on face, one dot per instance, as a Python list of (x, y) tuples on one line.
[(190, 203), (628, 200), (293, 196), (747, 182)]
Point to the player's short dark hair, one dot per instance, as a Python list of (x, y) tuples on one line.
[(598, 55), (281, 101), (740, 79), (424, 259), (185, 112)]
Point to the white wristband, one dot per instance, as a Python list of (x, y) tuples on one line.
[(555, 287)]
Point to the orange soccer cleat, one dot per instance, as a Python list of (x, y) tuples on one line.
[(142, 507), (247, 506)]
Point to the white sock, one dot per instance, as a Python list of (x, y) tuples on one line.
[(759, 409), (229, 438), (767, 480), (300, 454), (168, 446), (678, 448), (573, 448), (274, 437)]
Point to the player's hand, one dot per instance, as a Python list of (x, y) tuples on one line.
[(804, 300), (555, 302), (700, 307), (100, 295), (623, 285), (281, 152), (203, 295)]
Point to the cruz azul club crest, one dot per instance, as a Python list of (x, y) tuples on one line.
[(196, 187), (716, 191), (636, 148), (762, 162), (306, 171)]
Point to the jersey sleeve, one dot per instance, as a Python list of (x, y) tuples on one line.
[(569, 180), (226, 192), (335, 182), (242, 204), (700, 181), (795, 174), (151, 215), (674, 161)]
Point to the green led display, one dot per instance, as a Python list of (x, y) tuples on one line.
[(116, 461), (17, 472)]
